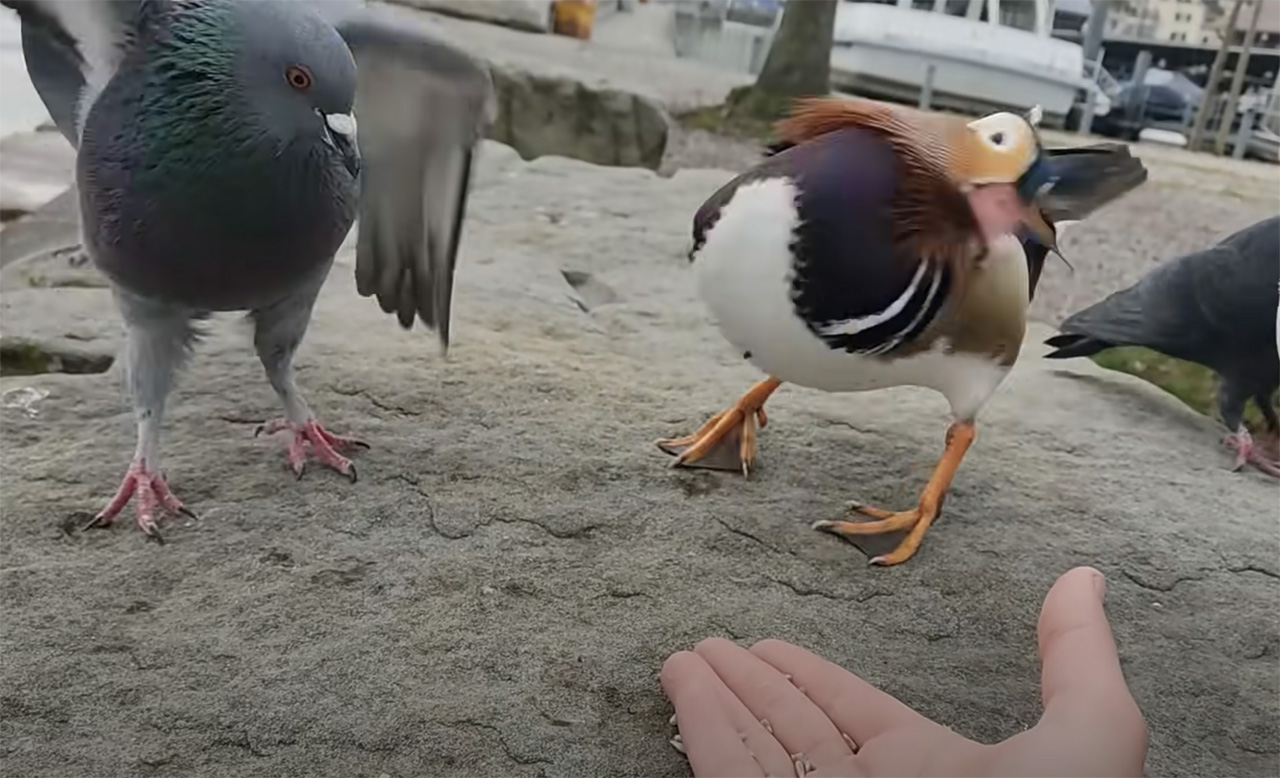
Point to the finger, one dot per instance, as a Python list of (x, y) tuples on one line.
[(854, 706), (799, 725), (720, 735), (1080, 671)]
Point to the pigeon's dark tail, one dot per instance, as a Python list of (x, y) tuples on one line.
[(1070, 346), (1089, 177)]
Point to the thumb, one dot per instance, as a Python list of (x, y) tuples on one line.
[(1080, 670)]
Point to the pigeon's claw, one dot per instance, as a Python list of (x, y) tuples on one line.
[(322, 444), (728, 439), (1248, 452), (151, 492), (915, 522)]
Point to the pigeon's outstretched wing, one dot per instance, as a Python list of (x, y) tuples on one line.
[(423, 108), (1201, 307), (73, 47)]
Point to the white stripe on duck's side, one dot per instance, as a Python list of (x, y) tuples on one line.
[(863, 323), (744, 273), (895, 309)]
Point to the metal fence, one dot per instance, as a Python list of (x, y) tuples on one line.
[(1252, 129)]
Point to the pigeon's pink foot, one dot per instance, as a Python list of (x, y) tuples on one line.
[(1249, 453), (322, 445), (151, 492), (1269, 444)]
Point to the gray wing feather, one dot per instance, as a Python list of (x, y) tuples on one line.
[(423, 107), (72, 49)]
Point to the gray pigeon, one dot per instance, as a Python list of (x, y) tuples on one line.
[(218, 169), (1217, 308)]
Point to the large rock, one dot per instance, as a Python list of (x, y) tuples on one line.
[(566, 97), (676, 84), (497, 592), (540, 115), (525, 15)]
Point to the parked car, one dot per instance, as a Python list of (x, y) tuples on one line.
[(1164, 101)]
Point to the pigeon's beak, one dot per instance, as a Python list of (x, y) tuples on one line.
[(340, 133)]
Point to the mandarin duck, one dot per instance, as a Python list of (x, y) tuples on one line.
[(874, 247), (1216, 308), (219, 169)]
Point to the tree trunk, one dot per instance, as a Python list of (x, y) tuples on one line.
[(798, 63)]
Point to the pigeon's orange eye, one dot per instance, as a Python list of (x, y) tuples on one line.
[(298, 77)]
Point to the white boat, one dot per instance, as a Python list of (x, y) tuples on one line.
[(977, 66)]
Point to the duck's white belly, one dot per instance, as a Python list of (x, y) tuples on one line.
[(744, 273)]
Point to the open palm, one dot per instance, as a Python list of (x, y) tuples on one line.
[(779, 710)]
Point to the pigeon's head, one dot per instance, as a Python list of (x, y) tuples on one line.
[(299, 77)]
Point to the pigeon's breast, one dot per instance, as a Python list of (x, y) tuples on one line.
[(211, 217)]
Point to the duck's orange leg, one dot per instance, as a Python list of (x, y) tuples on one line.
[(728, 440), (917, 520)]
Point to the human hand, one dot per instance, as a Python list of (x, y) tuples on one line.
[(779, 710)]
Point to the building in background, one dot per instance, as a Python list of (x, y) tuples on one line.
[(1173, 21), (1160, 26), (1183, 21), (1191, 22), (1268, 32)]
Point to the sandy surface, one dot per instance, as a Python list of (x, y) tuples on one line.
[(497, 592)]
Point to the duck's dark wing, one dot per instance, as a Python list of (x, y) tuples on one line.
[(1087, 178)]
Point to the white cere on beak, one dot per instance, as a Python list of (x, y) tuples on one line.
[(342, 123)]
